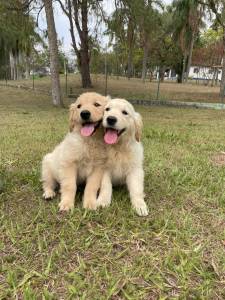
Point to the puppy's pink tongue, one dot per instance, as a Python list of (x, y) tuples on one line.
[(111, 136), (87, 129)]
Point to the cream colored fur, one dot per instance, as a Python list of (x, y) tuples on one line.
[(77, 158), (125, 158)]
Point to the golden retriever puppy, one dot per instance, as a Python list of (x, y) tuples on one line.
[(80, 156), (125, 154)]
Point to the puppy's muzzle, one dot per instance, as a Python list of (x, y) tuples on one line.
[(111, 121), (85, 115)]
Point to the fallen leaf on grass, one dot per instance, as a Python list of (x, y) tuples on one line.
[(218, 159)]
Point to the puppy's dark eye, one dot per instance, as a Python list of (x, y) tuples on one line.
[(107, 109), (79, 106), (97, 104), (125, 112)]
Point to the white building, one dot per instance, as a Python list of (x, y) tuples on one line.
[(205, 73)]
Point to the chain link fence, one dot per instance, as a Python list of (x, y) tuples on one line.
[(153, 89)]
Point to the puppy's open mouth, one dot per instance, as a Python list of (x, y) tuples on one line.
[(89, 128), (111, 135)]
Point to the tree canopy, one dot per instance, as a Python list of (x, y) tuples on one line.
[(145, 36)]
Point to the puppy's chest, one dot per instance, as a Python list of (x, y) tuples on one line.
[(92, 157), (94, 154), (119, 162)]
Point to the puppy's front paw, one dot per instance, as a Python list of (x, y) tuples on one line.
[(141, 208), (65, 206), (103, 202), (49, 194), (90, 204)]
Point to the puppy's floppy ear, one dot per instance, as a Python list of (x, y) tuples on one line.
[(72, 116), (138, 126)]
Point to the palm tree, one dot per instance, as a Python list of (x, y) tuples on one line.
[(17, 37), (122, 28), (188, 16), (218, 9), (148, 19)]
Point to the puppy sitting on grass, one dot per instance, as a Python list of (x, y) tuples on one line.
[(80, 156), (124, 154)]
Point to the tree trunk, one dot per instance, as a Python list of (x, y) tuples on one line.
[(214, 76), (222, 84), (144, 62), (162, 73), (73, 11), (84, 67), (179, 78), (184, 67), (27, 66), (129, 64), (217, 77), (117, 68), (130, 41), (83, 54), (12, 66), (18, 64), (53, 49), (190, 55), (151, 76), (84, 51)]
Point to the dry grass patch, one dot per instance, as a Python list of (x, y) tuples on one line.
[(133, 88), (177, 252)]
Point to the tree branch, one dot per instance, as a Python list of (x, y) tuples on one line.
[(76, 18), (68, 13), (39, 13), (211, 5), (63, 8), (72, 28)]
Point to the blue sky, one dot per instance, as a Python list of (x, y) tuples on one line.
[(62, 24)]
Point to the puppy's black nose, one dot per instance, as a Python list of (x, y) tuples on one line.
[(85, 115), (111, 120)]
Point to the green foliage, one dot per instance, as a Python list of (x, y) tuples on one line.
[(211, 36), (153, 28), (17, 30), (187, 19)]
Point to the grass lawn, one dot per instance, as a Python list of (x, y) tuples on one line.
[(133, 88), (177, 252)]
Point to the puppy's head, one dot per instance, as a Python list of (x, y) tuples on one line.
[(87, 112), (121, 122)]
